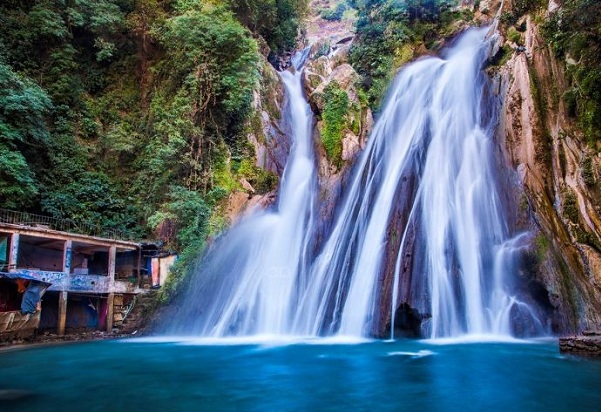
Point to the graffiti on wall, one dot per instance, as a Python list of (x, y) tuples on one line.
[(62, 281)]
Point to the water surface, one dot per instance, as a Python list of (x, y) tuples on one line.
[(307, 375)]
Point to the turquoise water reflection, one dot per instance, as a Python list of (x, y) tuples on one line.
[(384, 376)]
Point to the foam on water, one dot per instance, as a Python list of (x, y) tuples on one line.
[(419, 354), (476, 338)]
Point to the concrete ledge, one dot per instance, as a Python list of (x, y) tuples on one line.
[(588, 344)]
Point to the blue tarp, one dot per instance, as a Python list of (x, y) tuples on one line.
[(32, 297), (22, 275), (33, 293)]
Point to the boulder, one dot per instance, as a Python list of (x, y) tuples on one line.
[(587, 344), (345, 76)]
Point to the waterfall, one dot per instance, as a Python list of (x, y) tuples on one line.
[(432, 143), (421, 213), (250, 284)]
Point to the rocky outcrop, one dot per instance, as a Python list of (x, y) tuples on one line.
[(267, 136), (589, 344), (327, 64), (329, 68), (268, 140), (559, 175)]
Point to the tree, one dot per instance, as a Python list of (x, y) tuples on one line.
[(23, 133), (212, 66)]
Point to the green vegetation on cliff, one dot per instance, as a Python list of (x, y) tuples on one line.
[(108, 107), (334, 121), (276, 21), (574, 32), (391, 33)]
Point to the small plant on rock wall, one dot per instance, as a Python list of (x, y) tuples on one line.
[(263, 181), (588, 176), (334, 121), (570, 206), (514, 36)]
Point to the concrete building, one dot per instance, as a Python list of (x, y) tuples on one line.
[(93, 280)]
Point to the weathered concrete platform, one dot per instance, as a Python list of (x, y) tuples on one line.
[(587, 344)]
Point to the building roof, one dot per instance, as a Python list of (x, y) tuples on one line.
[(41, 231)]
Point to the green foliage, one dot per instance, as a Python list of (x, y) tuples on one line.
[(17, 183), (119, 112), (575, 32), (211, 69), (570, 100), (514, 35), (129, 100), (91, 199), (508, 18), (263, 181), (334, 118), (334, 14), (570, 206), (384, 30), (277, 21), (588, 174), (23, 108), (520, 8), (187, 214), (542, 246), (501, 57), (214, 56)]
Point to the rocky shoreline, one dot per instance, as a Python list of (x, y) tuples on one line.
[(52, 338), (587, 344)]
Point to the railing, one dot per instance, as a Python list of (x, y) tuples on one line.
[(63, 225)]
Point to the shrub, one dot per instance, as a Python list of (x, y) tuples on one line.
[(334, 14), (334, 121), (514, 36)]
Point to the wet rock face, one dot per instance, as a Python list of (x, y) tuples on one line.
[(268, 137), (408, 322), (560, 208), (411, 308), (269, 140)]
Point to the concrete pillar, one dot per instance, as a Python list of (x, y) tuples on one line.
[(111, 297), (62, 312), (112, 260), (110, 304), (139, 270), (14, 252), (67, 253)]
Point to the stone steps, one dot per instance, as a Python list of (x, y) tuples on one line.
[(138, 317)]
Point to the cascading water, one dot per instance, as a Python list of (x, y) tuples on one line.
[(251, 282), (460, 217), (425, 184), (431, 149)]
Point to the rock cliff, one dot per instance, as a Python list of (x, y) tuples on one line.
[(551, 174), (559, 176)]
